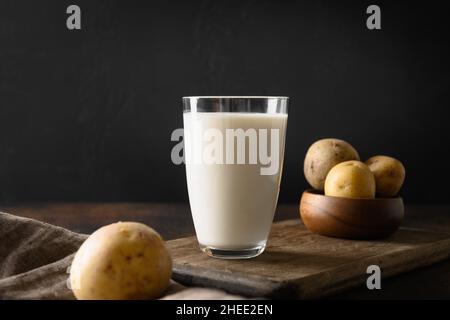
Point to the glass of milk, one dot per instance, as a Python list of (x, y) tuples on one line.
[(234, 149)]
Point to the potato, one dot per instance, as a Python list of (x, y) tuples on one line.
[(389, 175), (350, 179), (323, 155), (124, 260)]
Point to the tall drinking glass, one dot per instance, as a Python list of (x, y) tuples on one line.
[(234, 149)]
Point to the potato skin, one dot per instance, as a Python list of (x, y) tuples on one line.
[(350, 179), (389, 175), (323, 155), (124, 260)]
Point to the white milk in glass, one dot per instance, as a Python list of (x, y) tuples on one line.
[(232, 204)]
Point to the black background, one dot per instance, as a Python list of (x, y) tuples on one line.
[(87, 115)]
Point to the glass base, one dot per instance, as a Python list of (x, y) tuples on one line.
[(245, 253)]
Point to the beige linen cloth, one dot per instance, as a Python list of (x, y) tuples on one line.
[(35, 257)]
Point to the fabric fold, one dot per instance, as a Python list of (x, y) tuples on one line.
[(35, 258)]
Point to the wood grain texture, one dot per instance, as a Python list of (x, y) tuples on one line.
[(432, 282), (351, 218), (299, 264)]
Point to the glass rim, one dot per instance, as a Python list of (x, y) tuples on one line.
[(247, 104), (235, 97)]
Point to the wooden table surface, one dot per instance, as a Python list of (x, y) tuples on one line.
[(174, 221)]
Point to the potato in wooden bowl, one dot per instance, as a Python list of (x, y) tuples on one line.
[(323, 155), (350, 179), (389, 175)]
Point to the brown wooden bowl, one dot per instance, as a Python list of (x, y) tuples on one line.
[(351, 218)]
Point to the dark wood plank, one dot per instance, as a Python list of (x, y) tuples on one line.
[(171, 220), (174, 221), (299, 264)]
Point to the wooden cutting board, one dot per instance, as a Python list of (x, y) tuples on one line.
[(299, 264)]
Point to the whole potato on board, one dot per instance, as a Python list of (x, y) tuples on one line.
[(389, 175), (350, 179), (323, 155), (124, 260)]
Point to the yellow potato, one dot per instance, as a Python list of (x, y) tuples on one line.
[(350, 179), (124, 260), (389, 175), (323, 155)]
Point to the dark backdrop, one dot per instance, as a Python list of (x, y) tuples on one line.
[(87, 115)]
